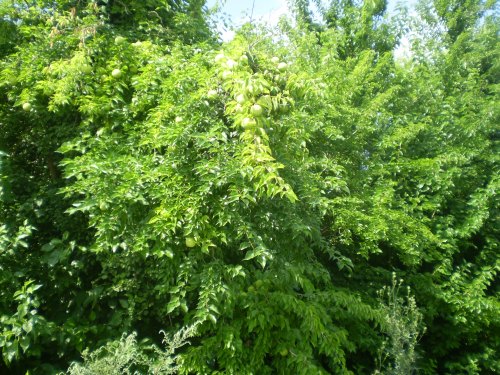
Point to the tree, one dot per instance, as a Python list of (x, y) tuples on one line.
[(264, 190), (361, 26), (58, 54)]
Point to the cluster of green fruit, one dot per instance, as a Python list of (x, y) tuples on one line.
[(87, 69), (115, 73), (249, 111)]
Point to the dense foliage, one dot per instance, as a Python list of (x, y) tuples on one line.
[(292, 201)]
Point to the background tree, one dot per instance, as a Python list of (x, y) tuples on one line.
[(360, 26)]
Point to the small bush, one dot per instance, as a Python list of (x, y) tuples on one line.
[(403, 329), (128, 357)]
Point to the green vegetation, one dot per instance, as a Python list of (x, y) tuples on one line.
[(173, 204)]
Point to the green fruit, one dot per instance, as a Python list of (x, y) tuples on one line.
[(275, 60), (248, 123), (86, 69), (259, 283), (256, 110), (219, 57), (231, 64), (227, 74), (190, 242), (116, 73), (282, 66), (178, 119), (284, 352), (27, 107), (251, 289), (212, 94), (120, 40), (240, 98)]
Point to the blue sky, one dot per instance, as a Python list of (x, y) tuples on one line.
[(268, 11), (238, 8)]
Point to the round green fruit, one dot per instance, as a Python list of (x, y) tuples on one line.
[(282, 66), (227, 74), (275, 60), (190, 242), (259, 283), (251, 289), (86, 69), (248, 123), (212, 94), (284, 352), (178, 119), (231, 64), (120, 40), (256, 110), (27, 107), (116, 73), (240, 98), (219, 57)]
